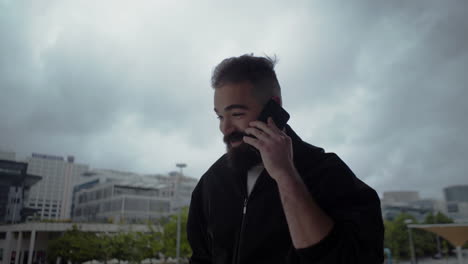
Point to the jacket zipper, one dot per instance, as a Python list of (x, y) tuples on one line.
[(244, 210)]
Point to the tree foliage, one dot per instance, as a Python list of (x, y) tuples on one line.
[(75, 246), (425, 243), (170, 236), (78, 246)]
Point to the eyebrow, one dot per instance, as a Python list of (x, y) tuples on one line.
[(234, 106)]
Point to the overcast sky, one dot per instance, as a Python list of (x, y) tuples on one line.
[(126, 84)]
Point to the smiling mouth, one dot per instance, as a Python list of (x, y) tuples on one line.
[(235, 142)]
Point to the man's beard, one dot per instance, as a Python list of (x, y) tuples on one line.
[(242, 157)]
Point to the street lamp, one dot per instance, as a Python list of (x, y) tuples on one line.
[(407, 222), (181, 166)]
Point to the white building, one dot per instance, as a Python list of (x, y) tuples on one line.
[(400, 197), (458, 211), (180, 193), (52, 196), (115, 196), (432, 205), (397, 202), (394, 203)]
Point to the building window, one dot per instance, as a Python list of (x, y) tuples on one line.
[(452, 208)]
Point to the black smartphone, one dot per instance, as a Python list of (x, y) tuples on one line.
[(274, 110)]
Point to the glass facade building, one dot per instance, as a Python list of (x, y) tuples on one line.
[(113, 196)]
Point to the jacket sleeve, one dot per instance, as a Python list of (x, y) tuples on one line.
[(357, 235), (197, 229)]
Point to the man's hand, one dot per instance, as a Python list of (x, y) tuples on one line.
[(308, 223), (275, 148)]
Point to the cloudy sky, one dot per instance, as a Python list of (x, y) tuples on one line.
[(125, 84)]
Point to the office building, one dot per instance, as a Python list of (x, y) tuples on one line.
[(52, 196), (400, 197), (115, 196), (431, 205), (409, 202), (15, 184), (181, 193), (458, 211), (456, 193)]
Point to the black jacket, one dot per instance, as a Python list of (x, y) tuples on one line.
[(220, 230)]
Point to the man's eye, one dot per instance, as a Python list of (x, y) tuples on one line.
[(219, 117), (238, 114)]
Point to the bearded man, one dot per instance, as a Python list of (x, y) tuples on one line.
[(273, 198)]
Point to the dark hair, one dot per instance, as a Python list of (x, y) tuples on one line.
[(257, 70)]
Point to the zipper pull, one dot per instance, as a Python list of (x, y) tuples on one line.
[(245, 206)]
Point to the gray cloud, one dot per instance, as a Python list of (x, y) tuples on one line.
[(126, 85)]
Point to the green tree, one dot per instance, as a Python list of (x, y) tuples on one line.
[(151, 243), (425, 243), (136, 246), (440, 218), (170, 236), (105, 249), (74, 245), (78, 246), (122, 243), (396, 236)]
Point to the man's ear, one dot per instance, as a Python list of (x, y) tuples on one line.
[(277, 99)]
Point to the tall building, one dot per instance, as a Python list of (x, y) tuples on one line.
[(52, 196), (458, 211), (14, 189), (457, 202), (456, 193)]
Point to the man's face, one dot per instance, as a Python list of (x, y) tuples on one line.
[(236, 106)]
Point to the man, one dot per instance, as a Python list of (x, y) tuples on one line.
[(273, 198)]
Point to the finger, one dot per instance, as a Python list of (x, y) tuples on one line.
[(272, 125), (252, 141), (259, 134), (262, 126)]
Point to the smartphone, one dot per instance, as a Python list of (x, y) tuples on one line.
[(274, 110)]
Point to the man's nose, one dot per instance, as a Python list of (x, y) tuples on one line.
[(226, 127)]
